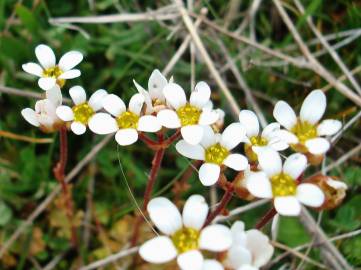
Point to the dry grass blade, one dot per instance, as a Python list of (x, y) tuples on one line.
[(13, 136)]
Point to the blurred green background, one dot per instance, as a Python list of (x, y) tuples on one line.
[(114, 55)]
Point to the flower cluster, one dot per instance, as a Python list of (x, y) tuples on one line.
[(260, 171)]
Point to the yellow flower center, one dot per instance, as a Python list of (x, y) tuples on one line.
[(186, 239), (216, 154), (82, 113), (283, 185), (188, 115), (304, 131), (255, 141), (127, 120), (54, 72)]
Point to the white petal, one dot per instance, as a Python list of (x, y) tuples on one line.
[(247, 267), (96, 99), (295, 165), (168, 119), (259, 185), (148, 123), (191, 260), (310, 195), (192, 134), (136, 103), (328, 127), (259, 245), (233, 135), (54, 95), (126, 136), (283, 137), (209, 174), (269, 160), (212, 265), (113, 104), (156, 83), (165, 215), (336, 184), (270, 129), (284, 114), (250, 121), (237, 162), (313, 107), (33, 68), (78, 128), (208, 137), (30, 116), (77, 94), (237, 256), (190, 151), (102, 123), (65, 113), (70, 60), (70, 74), (195, 212), (238, 234), (208, 117), (317, 146), (46, 83), (201, 95), (175, 95), (287, 206), (147, 98), (158, 250), (215, 238), (45, 55)]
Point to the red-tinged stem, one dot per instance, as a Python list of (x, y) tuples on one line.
[(227, 196), (59, 173), (148, 141), (172, 138), (266, 218)]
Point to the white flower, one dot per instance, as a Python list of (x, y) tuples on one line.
[(212, 265), (250, 249), (336, 184), (189, 116), (154, 97), (183, 236), (271, 136), (307, 127), (44, 115), (279, 182), (126, 123), (82, 111), (51, 73), (215, 149)]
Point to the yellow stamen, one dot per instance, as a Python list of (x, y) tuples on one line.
[(216, 154), (127, 120), (283, 185), (54, 72), (188, 115), (255, 141), (82, 113), (304, 131), (186, 239)]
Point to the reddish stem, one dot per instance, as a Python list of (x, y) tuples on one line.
[(59, 173), (227, 196), (266, 218)]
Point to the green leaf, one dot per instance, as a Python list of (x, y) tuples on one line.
[(353, 176), (291, 232), (27, 18), (5, 213)]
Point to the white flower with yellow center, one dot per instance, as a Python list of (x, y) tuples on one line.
[(82, 111), (184, 235), (271, 136), (215, 150), (306, 127), (154, 97), (126, 123), (189, 116), (250, 249), (51, 73), (280, 182), (44, 116)]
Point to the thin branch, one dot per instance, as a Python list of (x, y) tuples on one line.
[(343, 158), (327, 46), (210, 64), (44, 204)]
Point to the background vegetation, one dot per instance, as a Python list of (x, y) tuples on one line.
[(115, 54)]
